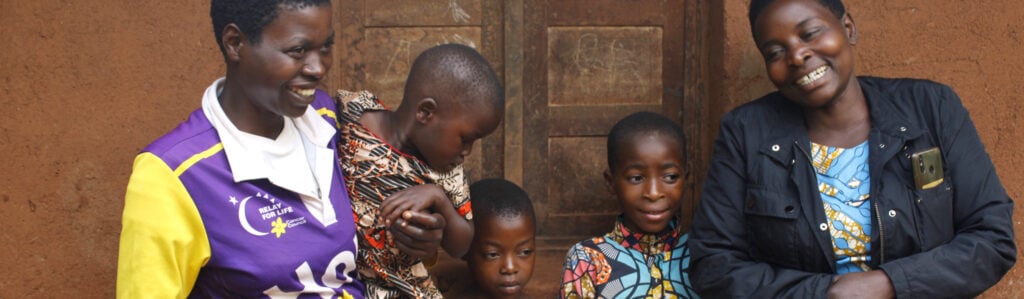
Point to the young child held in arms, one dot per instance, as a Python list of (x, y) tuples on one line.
[(501, 255), (645, 254), (452, 98)]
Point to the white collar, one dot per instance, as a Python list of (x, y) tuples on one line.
[(285, 161), (245, 151)]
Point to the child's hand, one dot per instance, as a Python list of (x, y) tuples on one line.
[(418, 198), (418, 234)]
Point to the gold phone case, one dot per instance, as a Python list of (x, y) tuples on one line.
[(927, 168)]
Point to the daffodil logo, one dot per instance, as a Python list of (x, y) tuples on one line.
[(279, 227)]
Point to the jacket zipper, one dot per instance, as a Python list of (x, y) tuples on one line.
[(881, 234)]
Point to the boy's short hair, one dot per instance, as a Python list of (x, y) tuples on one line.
[(643, 123), (251, 16), (756, 6), (442, 69), (499, 198)]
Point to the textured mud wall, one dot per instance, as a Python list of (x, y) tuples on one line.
[(971, 46), (84, 85)]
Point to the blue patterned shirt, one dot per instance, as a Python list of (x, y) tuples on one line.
[(845, 184)]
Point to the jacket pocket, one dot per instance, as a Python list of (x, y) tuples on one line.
[(771, 219), (935, 207)]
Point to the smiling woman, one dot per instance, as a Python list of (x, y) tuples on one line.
[(246, 197), (808, 53), (279, 72), (834, 185)]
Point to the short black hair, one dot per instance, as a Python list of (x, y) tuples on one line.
[(641, 124), (499, 198), (757, 6), (444, 69), (251, 16)]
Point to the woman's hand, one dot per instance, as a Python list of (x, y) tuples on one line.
[(418, 234), (870, 284)]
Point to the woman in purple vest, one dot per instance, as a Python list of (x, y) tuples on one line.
[(246, 198)]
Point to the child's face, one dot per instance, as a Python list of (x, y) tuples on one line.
[(501, 255), (278, 75), (648, 181), (807, 51), (448, 139)]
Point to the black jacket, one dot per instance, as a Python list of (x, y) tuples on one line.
[(759, 230)]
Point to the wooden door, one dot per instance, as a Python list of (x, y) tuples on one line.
[(588, 64), (571, 69)]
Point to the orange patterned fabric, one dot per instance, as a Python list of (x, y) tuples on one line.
[(373, 171)]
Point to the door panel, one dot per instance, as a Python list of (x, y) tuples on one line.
[(384, 13), (591, 66), (588, 64), (387, 69)]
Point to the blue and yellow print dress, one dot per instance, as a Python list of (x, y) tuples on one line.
[(844, 184)]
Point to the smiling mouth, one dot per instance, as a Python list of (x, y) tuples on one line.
[(812, 76), (509, 287), (305, 92), (654, 215)]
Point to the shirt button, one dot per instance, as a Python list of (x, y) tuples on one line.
[(892, 213), (775, 147), (903, 129), (823, 226), (881, 146)]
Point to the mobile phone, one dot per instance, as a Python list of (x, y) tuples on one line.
[(927, 168)]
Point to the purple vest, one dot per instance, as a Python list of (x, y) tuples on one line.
[(263, 241)]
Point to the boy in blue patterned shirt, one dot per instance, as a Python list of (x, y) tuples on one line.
[(645, 254)]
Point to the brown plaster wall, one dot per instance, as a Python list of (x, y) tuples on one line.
[(970, 46), (86, 84)]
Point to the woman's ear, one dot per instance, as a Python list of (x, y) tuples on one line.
[(233, 40), (850, 27), (426, 109)]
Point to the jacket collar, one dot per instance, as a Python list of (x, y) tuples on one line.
[(887, 120), (887, 117), (785, 144)]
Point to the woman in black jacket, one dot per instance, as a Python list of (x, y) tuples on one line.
[(841, 186)]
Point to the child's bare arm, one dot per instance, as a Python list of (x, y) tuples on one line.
[(458, 234)]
